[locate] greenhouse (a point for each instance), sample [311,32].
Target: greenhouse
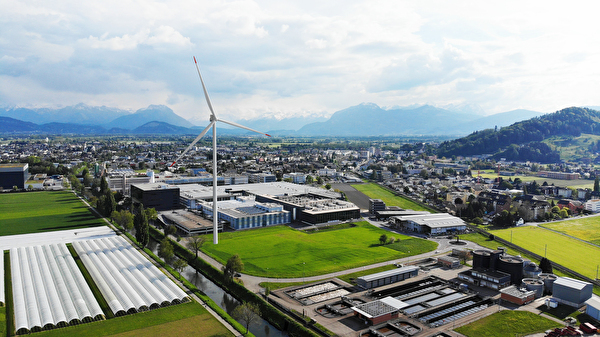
[127,280]
[49,290]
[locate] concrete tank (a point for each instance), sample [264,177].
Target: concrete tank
[548,280]
[481,259]
[513,266]
[531,270]
[534,285]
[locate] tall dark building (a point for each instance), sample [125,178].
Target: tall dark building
[15,174]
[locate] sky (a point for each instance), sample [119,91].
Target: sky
[286,58]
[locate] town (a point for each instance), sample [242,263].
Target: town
[469,222]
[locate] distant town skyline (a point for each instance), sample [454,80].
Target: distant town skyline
[264,58]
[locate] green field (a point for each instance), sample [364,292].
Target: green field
[375,191]
[280,251]
[491,174]
[571,253]
[189,319]
[587,228]
[33,212]
[507,323]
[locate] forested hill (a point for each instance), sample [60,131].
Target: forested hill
[523,140]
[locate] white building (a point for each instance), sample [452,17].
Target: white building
[592,205]
[431,224]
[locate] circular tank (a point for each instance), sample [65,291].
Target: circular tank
[548,280]
[531,270]
[534,285]
[513,266]
[481,259]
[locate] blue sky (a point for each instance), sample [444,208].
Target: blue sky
[295,58]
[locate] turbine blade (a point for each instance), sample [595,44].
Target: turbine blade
[204,88]
[243,127]
[194,142]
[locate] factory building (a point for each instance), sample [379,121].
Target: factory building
[376,205]
[188,223]
[246,213]
[571,292]
[387,277]
[486,278]
[13,175]
[431,224]
[312,209]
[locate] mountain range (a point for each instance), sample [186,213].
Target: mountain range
[363,120]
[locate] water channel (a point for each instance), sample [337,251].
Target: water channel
[261,328]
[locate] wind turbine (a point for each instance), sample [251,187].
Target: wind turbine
[213,124]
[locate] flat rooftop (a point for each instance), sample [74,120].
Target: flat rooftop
[279,188]
[438,220]
[188,220]
[380,307]
[388,273]
[516,292]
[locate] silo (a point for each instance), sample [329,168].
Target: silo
[548,280]
[513,266]
[534,285]
[531,270]
[481,259]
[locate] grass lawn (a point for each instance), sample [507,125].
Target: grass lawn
[507,323]
[587,228]
[581,183]
[3,320]
[375,191]
[188,319]
[280,251]
[33,212]
[571,253]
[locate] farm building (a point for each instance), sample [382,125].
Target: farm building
[49,290]
[593,307]
[127,280]
[516,295]
[432,224]
[571,291]
[379,311]
[387,277]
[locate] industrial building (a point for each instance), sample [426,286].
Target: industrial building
[313,209]
[159,196]
[486,278]
[376,205]
[379,311]
[449,262]
[245,213]
[387,277]
[571,292]
[431,224]
[120,180]
[188,223]
[13,175]
[494,269]
[517,295]
[593,307]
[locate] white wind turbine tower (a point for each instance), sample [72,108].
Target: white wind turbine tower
[213,124]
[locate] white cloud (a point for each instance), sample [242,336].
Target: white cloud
[163,35]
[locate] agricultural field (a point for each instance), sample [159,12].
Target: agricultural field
[586,228]
[375,191]
[508,323]
[34,212]
[581,183]
[280,251]
[571,253]
[189,319]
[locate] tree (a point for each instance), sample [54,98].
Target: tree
[195,243]
[383,239]
[109,204]
[171,230]
[546,265]
[233,266]
[140,223]
[165,250]
[309,179]
[319,180]
[247,313]
[103,185]
[123,218]
[597,184]
[328,186]
[391,240]
[151,214]
[563,213]
[179,265]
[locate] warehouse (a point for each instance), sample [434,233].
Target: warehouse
[128,281]
[49,290]
[571,292]
[387,277]
[431,224]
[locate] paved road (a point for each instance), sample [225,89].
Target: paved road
[358,198]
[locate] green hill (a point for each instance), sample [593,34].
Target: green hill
[530,139]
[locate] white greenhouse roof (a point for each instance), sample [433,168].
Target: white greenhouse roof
[49,289]
[46,238]
[126,279]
